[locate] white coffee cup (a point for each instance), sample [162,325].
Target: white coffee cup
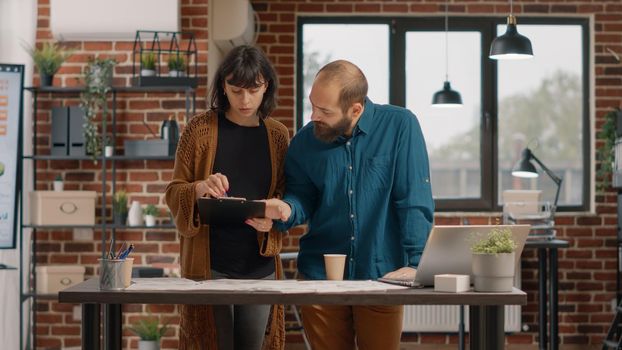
[335,264]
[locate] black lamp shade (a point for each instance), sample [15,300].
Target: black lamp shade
[524,167]
[511,45]
[447,97]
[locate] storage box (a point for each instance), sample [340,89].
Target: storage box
[54,278]
[62,207]
[521,201]
[153,147]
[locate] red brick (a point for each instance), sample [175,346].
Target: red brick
[310,7]
[48,343]
[339,8]
[66,330]
[399,8]
[142,104]
[97,46]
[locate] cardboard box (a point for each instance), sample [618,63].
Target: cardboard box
[62,207]
[54,278]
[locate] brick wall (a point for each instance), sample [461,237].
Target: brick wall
[144,181]
[587,268]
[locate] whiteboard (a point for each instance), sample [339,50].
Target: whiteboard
[11,83]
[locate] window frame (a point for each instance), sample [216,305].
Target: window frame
[489,126]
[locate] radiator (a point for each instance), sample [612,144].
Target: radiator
[445,318]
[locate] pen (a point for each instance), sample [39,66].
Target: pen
[126,252]
[121,249]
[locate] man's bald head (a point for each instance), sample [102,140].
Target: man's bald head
[349,78]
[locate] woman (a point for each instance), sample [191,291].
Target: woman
[234,150]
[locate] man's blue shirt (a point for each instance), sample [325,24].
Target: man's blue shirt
[368,196]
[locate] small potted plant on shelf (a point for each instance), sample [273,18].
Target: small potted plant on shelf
[148,62]
[150,333]
[48,58]
[58,183]
[109,147]
[119,207]
[494,261]
[151,212]
[176,66]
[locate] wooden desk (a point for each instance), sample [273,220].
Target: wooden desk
[486,309]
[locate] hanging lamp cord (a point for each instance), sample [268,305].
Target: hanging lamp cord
[447,42]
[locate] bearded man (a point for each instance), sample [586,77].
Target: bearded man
[358,175]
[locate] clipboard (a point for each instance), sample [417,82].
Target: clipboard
[229,211]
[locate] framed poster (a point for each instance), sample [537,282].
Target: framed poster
[11,101]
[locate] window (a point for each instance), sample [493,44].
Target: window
[452,135]
[349,42]
[541,103]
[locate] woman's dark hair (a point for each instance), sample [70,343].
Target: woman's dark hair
[247,67]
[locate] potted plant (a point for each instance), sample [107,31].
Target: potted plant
[58,183]
[48,58]
[148,63]
[493,261]
[109,147]
[176,66]
[151,212]
[97,80]
[150,332]
[119,207]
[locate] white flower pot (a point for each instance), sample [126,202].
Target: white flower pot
[150,220]
[148,345]
[135,215]
[58,186]
[493,272]
[109,151]
[147,72]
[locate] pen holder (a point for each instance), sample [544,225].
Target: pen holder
[115,274]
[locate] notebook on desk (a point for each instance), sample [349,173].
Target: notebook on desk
[448,251]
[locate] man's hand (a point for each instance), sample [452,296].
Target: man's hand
[276,209]
[405,273]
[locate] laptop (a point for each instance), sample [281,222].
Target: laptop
[448,251]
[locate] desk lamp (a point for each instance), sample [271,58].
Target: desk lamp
[524,168]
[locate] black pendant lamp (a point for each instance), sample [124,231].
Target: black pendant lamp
[446,97]
[511,45]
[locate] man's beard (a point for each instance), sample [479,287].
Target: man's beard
[329,134]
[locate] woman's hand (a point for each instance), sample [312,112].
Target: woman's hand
[404,273]
[216,185]
[260,224]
